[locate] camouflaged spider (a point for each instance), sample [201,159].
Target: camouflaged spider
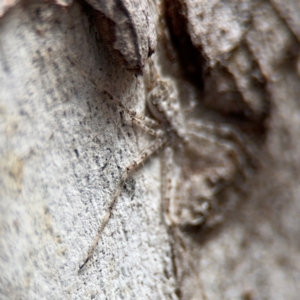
[199,158]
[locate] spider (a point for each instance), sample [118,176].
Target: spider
[209,157]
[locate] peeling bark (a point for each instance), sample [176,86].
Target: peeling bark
[64,144]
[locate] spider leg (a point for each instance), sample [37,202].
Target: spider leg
[169,183]
[134,115]
[225,134]
[154,132]
[157,144]
[229,139]
[148,121]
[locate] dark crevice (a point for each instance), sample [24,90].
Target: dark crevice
[191,60]
[230,105]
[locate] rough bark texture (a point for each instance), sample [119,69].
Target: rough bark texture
[63,149]
[64,145]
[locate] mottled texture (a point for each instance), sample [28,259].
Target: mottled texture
[63,147]
[250,64]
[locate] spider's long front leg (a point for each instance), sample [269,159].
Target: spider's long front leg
[157,144]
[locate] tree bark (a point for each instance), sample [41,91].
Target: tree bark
[64,146]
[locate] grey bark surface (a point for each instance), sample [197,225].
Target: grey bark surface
[64,145]
[63,149]
[256,254]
